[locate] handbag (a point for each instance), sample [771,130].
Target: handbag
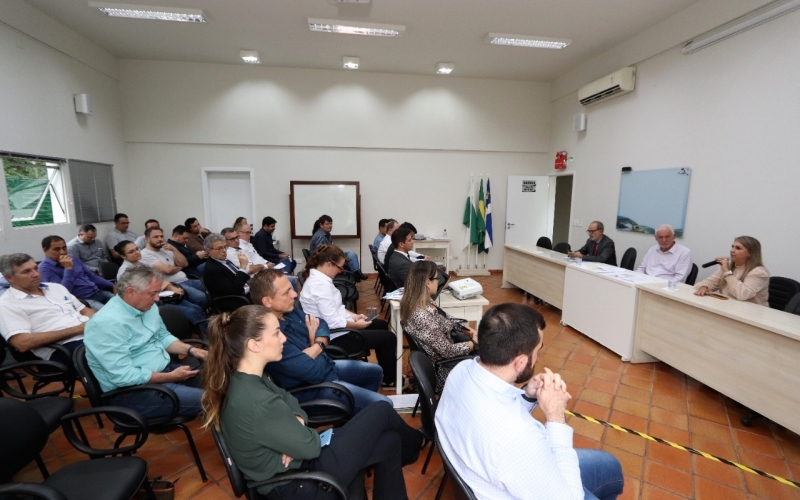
[163,490]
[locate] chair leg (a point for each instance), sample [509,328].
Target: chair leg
[416,407]
[99,420]
[441,486]
[194,452]
[428,459]
[42,467]
[148,489]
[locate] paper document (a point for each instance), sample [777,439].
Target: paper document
[396,295]
[279,266]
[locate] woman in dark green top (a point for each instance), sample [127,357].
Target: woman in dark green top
[264,425]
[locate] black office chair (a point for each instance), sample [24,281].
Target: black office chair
[323,412]
[793,307]
[42,374]
[177,324]
[628,259]
[224,303]
[108,271]
[692,276]
[241,486]
[374,252]
[562,248]
[98,398]
[426,384]
[449,471]
[388,284]
[544,242]
[306,254]
[781,290]
[23,435]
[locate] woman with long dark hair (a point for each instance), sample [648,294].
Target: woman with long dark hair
[743,277]
[265,428]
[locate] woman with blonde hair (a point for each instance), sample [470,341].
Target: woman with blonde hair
[743,277]
[430,326]
[265,428]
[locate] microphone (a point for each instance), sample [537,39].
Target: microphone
[709,264]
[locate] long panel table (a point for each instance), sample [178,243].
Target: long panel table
[748,352]
[532,269]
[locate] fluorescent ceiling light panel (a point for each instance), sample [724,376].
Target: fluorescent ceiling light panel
[745,22]
[355,28]
[444,68]
[538,42]
[249,56]
[148,12]
[350,62]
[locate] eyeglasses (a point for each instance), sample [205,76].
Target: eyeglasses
[232,239]
[217,249]
[245,232]
[340,268]
[591,231]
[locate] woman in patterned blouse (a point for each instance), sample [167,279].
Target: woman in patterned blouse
[428,325]
[743,277]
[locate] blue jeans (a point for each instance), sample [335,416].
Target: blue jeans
[601,474]
[362,379]
[290,265]
[352,261]
[154,405]
[98,299]
[195,293]
[194,314]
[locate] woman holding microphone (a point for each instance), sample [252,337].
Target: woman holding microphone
[743,277]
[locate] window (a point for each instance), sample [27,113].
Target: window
[92,191]
[35,190]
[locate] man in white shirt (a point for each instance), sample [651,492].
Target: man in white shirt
[668,259]
[245,232]
[170,262]
[232,241]
[34,315]
[386,242]
[487,431]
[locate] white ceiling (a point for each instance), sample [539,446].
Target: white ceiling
[436,30]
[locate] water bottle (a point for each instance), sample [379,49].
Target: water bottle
[444,233]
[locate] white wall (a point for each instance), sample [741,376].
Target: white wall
[37,82]
[412,141]
[728,111]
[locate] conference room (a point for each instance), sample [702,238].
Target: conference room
[173,123]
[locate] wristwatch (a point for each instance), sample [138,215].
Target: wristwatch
[321,344]
[728,273]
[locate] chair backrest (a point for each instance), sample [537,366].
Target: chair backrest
[23,434]
[781,290]
[562,247]
[628,259]
[692,276]
[108,270]
[413,345]
[451,472]
[388,284]
[793,307]
[238,482]
[544,242]
[374,252]
[306,254]
[426,384]
[90,383]
[177,324]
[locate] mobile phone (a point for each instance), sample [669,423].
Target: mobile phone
[325,437]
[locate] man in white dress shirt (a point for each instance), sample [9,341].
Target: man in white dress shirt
[668,259]
[386,242]
[487,431]
[253,257]
[254,264]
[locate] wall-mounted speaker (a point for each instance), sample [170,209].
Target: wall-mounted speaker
[579,122]
[82,104]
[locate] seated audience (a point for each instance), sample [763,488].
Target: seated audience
[59,267]
[170,262]
[132,255]
[119,233]
[34,314]
[304,360]
[598,248]
[240,220]
[86,248]
[381,233]
[320,298]
[195,243]
[221,276]
[262,242]
[127,344]
[254,257]
[486,428]
[743,277]
[389,248]
[240,399]
[196,260]
[140,241]
[668,259]
[322,236]
[233,251]
[431,327]
[386,242]
[399,261]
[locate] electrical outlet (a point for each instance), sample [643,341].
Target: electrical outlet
[577,222]
[454,257]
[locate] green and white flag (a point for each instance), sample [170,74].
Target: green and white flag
[470,219]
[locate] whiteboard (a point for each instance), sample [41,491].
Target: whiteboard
[309,200]
[650,198]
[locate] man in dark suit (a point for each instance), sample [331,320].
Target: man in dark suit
[399,261]
[221,276]
[598,248]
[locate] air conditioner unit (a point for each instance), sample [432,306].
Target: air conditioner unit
[617,83]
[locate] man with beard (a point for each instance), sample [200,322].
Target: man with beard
[486,429]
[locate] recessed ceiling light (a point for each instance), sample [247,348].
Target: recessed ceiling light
[539,42]
[444,68]
[249,56]
[148,12]
[333,26]
[350,62]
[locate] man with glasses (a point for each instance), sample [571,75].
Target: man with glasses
[233,252]
[221,275]
[255,257]
[598,248]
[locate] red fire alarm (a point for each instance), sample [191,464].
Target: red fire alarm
[561,160]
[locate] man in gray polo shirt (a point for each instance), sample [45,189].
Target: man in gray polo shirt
[119,233]
[170,262]
[87,249]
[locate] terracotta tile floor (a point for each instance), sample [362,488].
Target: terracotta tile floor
[652,398]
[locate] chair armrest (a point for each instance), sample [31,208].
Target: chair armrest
[336,352]
[326,385]
[453,361]
[70,421]
[169,393]
[201,342]
[59,372]
[322,477]
[32,489]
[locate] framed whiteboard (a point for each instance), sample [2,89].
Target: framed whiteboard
[308,200]
[650,198]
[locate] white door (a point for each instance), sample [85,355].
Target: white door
[526,209]
[228,195]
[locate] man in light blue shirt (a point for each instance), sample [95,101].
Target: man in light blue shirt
[487,431]
[381,233]
[128,345]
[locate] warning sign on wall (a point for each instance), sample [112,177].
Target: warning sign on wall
[528,186]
